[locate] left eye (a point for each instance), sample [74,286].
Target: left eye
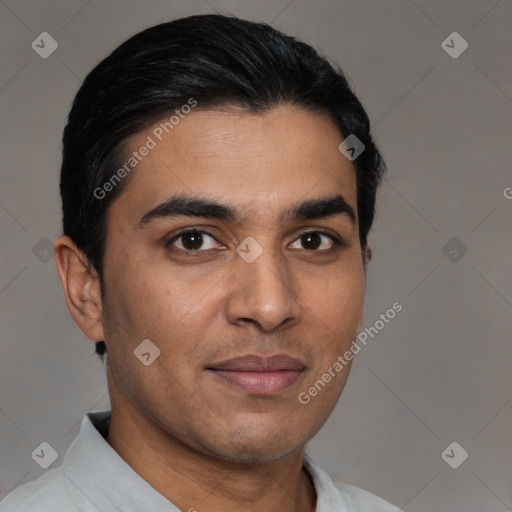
[312,240]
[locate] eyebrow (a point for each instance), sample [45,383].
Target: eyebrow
[189,206]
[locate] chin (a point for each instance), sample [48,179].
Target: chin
[245,446]
[251,456]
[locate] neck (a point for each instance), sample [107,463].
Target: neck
[193,480]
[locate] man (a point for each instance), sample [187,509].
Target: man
[218,185]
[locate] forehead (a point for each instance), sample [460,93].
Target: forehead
[261,162]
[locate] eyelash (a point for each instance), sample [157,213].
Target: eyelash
[338,242]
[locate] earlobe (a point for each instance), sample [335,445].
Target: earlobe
[81,287]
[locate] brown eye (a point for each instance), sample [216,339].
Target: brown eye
[312,240]
[192,240]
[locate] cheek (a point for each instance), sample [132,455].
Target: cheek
[340,299]
[151,307]
[336,312]
[173,313]
[142,296]
[336,318]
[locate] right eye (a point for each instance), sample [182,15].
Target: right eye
[191,240]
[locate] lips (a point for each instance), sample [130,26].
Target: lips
[259,375]
[254,363]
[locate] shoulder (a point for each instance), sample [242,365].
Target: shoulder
[50,492]
[359,499]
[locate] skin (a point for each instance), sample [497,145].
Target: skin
[201,442]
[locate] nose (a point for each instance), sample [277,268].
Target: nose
[263,292]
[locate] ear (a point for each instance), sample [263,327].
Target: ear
[367,256]
[81,287]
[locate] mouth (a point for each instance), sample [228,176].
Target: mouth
[257,375]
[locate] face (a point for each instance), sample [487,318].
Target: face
[257,277]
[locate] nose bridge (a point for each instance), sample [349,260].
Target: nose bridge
[264,289]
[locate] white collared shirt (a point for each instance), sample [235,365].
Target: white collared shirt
[94,478]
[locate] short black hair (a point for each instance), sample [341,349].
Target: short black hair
[218,61]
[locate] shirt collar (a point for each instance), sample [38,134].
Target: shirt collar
[101,476]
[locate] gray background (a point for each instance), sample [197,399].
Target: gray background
[438,372]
